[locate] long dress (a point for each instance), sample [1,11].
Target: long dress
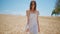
[33,26]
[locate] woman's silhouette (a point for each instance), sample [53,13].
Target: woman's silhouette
[32,19]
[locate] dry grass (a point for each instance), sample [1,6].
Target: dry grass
[12,24]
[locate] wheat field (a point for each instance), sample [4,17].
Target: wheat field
[12,24]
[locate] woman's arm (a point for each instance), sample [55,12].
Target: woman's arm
[38,27]
[27,14]
[38,22]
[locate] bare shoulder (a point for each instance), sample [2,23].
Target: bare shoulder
[37,11]
[27,11]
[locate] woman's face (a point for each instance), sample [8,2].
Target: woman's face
[33,5]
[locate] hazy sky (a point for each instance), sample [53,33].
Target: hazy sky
[19,7]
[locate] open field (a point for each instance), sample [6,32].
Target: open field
[12,24]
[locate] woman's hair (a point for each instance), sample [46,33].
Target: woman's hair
[34,4]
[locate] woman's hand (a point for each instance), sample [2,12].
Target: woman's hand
[38,29]
[27,27]
[27,30]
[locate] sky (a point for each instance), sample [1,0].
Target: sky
[19,7]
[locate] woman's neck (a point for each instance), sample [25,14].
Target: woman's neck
[32,11]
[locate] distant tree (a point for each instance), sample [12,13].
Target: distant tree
[56,11]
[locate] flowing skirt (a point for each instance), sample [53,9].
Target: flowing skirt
[33,29]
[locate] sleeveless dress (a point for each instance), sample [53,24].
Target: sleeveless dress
[33,26]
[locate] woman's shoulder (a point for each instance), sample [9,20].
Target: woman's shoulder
[37,11]
[27,11]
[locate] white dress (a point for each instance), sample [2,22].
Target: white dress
[33,26]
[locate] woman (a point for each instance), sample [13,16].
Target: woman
[32,19]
